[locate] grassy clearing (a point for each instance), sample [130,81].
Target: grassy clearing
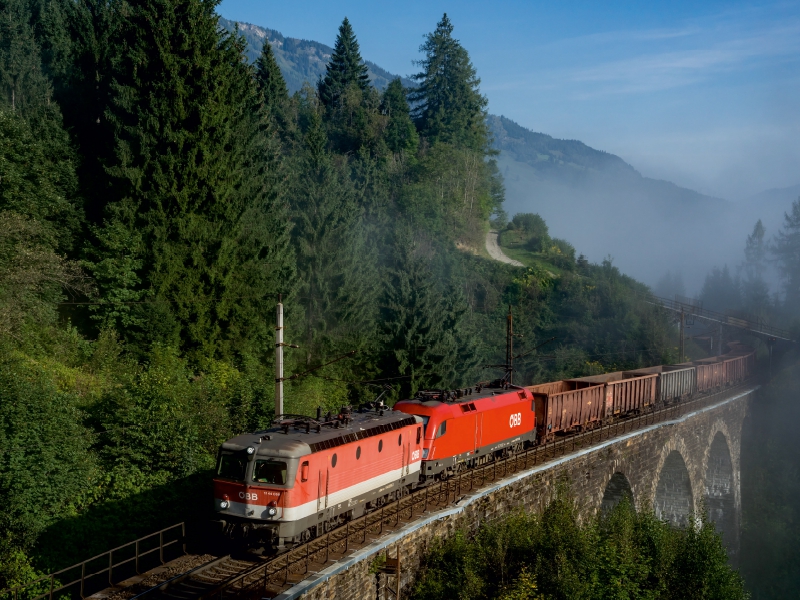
[513,245]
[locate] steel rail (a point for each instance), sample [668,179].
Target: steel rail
[273,576]
[209,575]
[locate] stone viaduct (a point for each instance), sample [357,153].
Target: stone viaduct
[676,467]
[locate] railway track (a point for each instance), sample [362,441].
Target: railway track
[204,579]
[247,575]
[276,574]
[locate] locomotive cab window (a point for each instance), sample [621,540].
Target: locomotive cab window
[442,429]
[304,471]
[425,424]
[419,434]
[232,466]
[270,471]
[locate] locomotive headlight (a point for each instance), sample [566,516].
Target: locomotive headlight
[272,509]
[424,453]
[223,504]
[250,450]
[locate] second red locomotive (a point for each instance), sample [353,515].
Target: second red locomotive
[466,428]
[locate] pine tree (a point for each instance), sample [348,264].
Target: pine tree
[721,291]
[79,46]
[755,291]
[335,263]
[423,325]
[344,69]
[189,186]
[24,87]
[449,106]
[787,251]
[37,162]
[269,78]
[400,135]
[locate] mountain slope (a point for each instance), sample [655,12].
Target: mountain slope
[300,61]
[603,206]
[591,198]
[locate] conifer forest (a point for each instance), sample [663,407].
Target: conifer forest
[159,193]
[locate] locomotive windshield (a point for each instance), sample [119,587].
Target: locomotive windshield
[270,471]
[424,423]
[231,466]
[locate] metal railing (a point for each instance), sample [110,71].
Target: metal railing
[84,576]
[270,578]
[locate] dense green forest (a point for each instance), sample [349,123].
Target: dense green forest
[159,191]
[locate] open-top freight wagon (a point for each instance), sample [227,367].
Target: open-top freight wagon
[564,406]
[674,382]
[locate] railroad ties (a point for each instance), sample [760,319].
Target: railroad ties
[250,576]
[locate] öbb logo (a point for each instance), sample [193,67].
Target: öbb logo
[515,420]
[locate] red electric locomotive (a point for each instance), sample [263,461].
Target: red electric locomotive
[306,476]
[468,427]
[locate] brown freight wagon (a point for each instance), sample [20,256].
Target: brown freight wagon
[563,406]
[709,374]
[624,395]
[675,382]
[737,366]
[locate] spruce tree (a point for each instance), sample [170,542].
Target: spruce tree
[755,291]
[423,324]
[269,78]
[37,162]
[400,135]
[448,104]
[196,228]
[787,251]
[335,261]
[344,69]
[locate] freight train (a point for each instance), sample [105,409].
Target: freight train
[305,476]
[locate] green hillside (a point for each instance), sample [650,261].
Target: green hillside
[550,155]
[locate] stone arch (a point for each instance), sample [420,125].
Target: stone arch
[617,488]
[720,497]
[674,500]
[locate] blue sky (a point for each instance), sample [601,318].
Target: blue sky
[703,94]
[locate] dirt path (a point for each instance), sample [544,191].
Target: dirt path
[496,253]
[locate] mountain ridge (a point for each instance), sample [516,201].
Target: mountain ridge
[592,198]
[301,61]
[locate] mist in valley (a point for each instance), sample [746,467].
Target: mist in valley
[649,227]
